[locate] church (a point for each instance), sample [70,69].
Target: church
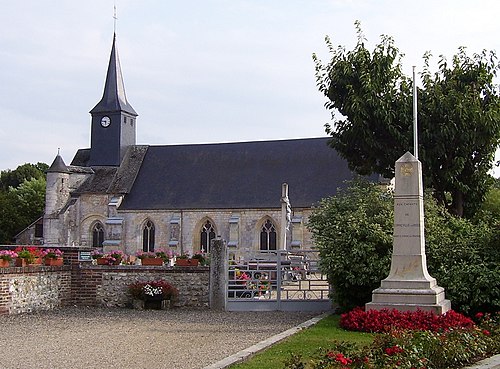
[121,195]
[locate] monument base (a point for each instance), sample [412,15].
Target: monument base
[407,296]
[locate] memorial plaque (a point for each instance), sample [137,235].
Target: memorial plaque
[84,256]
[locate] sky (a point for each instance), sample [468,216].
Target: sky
[200,71]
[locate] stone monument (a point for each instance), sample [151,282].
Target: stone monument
[409,286]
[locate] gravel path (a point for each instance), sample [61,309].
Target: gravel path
[73,338]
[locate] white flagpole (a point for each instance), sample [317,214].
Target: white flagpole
[415,132]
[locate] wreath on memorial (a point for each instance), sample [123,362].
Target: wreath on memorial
[152,290]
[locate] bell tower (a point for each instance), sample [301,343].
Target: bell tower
[113,126]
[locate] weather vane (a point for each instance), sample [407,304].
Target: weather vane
[114,17]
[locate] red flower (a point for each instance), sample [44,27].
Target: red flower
[393,350]
[342,359]
[486,332]
[385,320]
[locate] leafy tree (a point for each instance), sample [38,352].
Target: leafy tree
[459,117]
[29,200]
[13,178]
[460,128]
[22,198]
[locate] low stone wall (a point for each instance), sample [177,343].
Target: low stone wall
[38,288]
[30,289]
[107,285]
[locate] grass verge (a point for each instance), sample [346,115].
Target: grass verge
[305,343]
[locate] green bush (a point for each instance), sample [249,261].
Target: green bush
[353,232]
[463,255]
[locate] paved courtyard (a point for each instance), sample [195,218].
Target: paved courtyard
[124,338]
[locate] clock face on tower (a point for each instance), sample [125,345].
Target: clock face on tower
[105,122]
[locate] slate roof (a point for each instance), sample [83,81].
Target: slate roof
[236,175]
[98,182]
[112,180]
[58,166]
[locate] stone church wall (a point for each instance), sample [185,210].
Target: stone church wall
[177,230]
[180,231]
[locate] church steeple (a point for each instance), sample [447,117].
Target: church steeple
[113,118]
[114,98]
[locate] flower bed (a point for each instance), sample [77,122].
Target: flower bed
[448,341]
[386,320]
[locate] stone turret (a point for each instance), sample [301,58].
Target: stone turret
[56,196]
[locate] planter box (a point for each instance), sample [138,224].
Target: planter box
[53,262]
[4,263]
[187,262]
[20,262]
[152,261]
[151,304]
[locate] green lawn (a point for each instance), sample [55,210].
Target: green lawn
[305,343]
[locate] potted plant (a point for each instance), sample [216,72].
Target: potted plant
[201,257]
[116,256]
[52,257]
[149,258]
[27,256]
[185,260]
[152,294]
[166,255]
[98,256]
[6,257]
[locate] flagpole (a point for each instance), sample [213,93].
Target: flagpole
[415,132]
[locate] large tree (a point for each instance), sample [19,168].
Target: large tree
[22,198]
[459,117]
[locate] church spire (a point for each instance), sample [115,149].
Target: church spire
[114,98]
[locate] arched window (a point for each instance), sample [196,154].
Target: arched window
[268,236]
[148,237]
[97,235]
[207,235]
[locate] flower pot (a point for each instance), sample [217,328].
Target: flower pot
[102,261]
[37,262]
[152,261]
[21,262]
[186,262]
[53,262]
[4,263]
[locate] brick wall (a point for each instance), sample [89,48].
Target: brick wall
[30,289]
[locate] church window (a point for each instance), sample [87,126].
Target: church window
[207,235]
[97,235]
[148,237]
[268,236]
